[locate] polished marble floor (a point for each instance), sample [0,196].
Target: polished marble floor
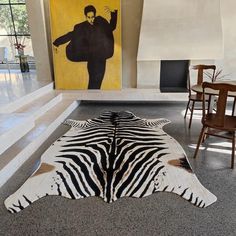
[16,85]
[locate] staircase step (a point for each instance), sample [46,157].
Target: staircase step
[15,105]
[12,159]
[12,127]
[41,105]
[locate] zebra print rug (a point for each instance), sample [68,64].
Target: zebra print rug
[112,156]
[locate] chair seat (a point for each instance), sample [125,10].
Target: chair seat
[211,121]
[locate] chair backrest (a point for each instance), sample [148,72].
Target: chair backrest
[222,90]
[2,54]
[200,69]
[200,72]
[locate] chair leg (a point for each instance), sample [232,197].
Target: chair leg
[233,151]
[206,135]
[191,116]
[233,110]
[199,141]
[186,109]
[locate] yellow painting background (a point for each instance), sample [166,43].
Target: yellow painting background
[74,75]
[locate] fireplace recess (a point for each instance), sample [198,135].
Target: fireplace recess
[174,76]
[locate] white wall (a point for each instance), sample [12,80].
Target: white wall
[180,29]
[228,63]
[39,39]
[131,22]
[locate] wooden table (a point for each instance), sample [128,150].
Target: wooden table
[199,89]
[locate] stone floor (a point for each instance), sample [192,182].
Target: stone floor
[16,85]
[158,214]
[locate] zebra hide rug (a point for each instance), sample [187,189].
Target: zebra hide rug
[115,155]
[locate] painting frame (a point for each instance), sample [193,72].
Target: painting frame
[96,64]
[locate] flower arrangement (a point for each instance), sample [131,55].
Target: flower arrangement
[20,48]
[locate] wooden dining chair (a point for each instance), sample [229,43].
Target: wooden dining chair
[197,97]
[216,123]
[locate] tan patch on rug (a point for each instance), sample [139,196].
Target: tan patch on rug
[182,163]
[44,168]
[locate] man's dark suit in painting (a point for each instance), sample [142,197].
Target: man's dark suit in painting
[91,43]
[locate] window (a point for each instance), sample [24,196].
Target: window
[14,29]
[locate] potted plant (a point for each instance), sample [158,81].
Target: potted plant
[217,75]
[24,66]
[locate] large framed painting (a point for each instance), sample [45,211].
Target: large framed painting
[86,38]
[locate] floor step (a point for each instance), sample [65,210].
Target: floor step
[41,105]
[12,127]
[22,101]
[12,159]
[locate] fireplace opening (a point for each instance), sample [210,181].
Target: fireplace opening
[173,76]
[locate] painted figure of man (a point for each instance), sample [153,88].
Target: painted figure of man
[91,41]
